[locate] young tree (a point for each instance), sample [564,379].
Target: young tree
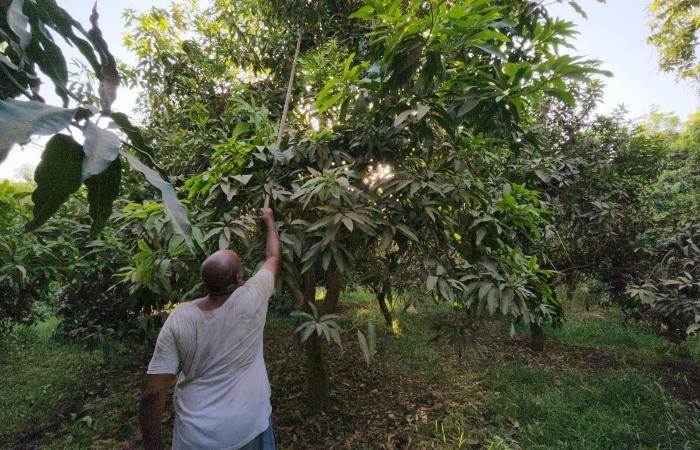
[406,124]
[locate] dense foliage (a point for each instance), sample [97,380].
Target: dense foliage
[674,32]
[32,266]
[28,45]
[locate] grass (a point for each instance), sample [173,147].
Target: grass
[39,377]
[498,396]
[607,329]
[58,395]
[548,408]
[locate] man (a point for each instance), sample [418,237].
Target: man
[215,347]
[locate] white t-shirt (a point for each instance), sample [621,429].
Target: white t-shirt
[222,396]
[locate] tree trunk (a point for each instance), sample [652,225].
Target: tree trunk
[309,287]
[536,337]
[381,299]
[317,377]
[317,382]
[298,297]
[571,288]
[334,284]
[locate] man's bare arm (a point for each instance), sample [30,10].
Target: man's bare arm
[155,393]
[272,247]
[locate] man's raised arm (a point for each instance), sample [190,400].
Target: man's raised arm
[272,247]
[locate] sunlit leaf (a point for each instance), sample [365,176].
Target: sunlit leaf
[176,210]
[19,120]
[19,23]
[101,147]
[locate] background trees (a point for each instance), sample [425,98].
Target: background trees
[674,28]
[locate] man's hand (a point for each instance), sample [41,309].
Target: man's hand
[267,216]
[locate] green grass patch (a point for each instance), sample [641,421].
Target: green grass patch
[551,408]
[276,321]
[58,395]
[606,328]
[359,296]
[39,378]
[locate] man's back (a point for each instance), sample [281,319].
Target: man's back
[222,397]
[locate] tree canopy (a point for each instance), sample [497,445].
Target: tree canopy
[674,25]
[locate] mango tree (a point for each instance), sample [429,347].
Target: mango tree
[406,142]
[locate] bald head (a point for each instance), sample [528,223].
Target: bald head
[221,272]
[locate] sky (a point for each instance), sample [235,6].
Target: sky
[614,33]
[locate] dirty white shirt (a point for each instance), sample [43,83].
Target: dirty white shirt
[222,396]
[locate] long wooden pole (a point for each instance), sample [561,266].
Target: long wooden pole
[285,110]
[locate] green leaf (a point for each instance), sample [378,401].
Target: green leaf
[320,223]
[8,62]
[103,189]
[484,288]
[403,65]
[364,347]
[57,176]
[493,300]
[430,282]
[371,338]
[402,117]
[175,242]
[101,147]
[329,317]
[363,13]
[307,332]
[405,229]
[132,132]
[20,120]
[578,9]
[108,76]
[542,175]
[421,111]
[335,335]
[49,57]
[348,223]
[387,239]
[240,128]
[490,49]
[564,96]
[302,314]
[176,210]
[19,23]
[243,179]
[507,300]
[480,234]
[57,18]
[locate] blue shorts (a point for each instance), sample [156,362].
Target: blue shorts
[264,441]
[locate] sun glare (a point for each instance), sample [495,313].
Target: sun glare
[376,175]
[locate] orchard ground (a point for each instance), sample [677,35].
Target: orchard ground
[601,383]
